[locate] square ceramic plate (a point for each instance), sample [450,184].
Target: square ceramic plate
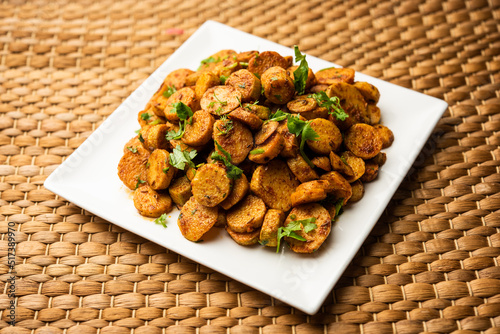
[88,178]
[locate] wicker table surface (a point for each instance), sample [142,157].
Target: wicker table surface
[429,265]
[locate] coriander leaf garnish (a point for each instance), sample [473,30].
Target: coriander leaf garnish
[145,116]
[331,103]
[301,73]
[279,115]
[169,91]
[223,79]
[140,137]
[226,126]
[303,129]
[184,113]
[132,149]
[180,158]
[162,220]
[339,207]
[139,181]
[208,61]
[307,225]
[233,172]
[257,151]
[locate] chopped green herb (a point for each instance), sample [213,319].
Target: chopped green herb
[303,129]
[243,64]
[250,105]
[208,61]
[184,113]
[169,91]
[339,207]
[222,103]
[139,181]
[233,172]
[162,220]
[193,212]
[278,96]
[274,79]
[243,86]
[223,79]
[227,125]
[279,115]
[263,242]
[145,116]
[179,158]
[156,121]
[132,149]
[165,170]
[257,151]
[301,73]
[331,103]
[307,225]
[140,138]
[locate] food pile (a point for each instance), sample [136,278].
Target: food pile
[269,150]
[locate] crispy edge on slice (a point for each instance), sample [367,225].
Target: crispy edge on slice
[244,238]
[338,186]
[274,183]
[211,185]
[199,131]
[308,192]
[363,140]
[356,163]
[273,220]
[132,166]
[159,172]
[151,203]
[241,186]
[195,219]
[316,237]
[301,169]
[247,215]
[268,150]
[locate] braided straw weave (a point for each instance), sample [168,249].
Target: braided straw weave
[430,264]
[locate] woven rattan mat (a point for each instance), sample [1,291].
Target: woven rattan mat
[429,265]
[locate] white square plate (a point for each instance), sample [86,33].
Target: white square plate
[88,178]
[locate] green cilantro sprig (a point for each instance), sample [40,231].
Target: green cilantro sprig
[303,129]
[307,225]
[233,172]
[184,113]
[226,126]
[179,158]
[169,91]
[162,220]
[278,116]
[331,103]
[208,61]
[301,73]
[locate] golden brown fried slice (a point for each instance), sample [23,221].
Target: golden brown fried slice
[239,191]
[159,172]
[291,143]
[332,75]
[246,117]
[132,165]
[277,85]
[220,100]
[337,186]
[265,132]
[351,101]
[385,135]
[234,137]
[261,111]
[363,140]
[273,220]
[205,81]
[180,190]
[358,191]
[210,185]
[244,238]
[308,192]
[301,169]
[247,215]
[268,150]
[369,91]
[185,95]
[322,162]
[373,114]
[153,136]
[329,136]
[148,116]
[371,172]
[177,78]
[340,166]
[246,83]
[151,203]
[356,163]
[274,183]
[259,63]
[314,238]
[302,104]
[199,131]
[195,219]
